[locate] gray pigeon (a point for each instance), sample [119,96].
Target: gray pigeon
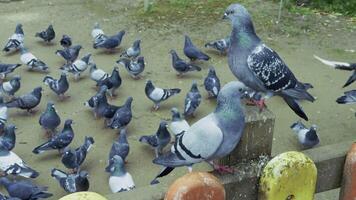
[181,66]
[306,136]
[9,88]
[221,45]
[110,42]
[49,119]
[25,190]
[72,182]
[98,34]
[349,97]
[192,100]
[47,35]
[32,62]
[134,51]
[27,101]
[120,180]
[97,74]
[178,124]
[16,40]
[113,82]
[8,138]
[69,54]
[342,66]
[133,67]
[6,69]
[66,41]
[157,95]
[258,66]
[120,147]
[212,83]
[159,140]
[58,86]
[59,141]
[192,52]
[210,138]
[78,67]
[122,116]
[74,159]
[11,163]
[3,114]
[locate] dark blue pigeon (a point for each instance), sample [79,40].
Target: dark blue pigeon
[133,67]
[47,35]
[66,41]
[58,142]
[180,65]
[192,100]
[6,69]
[212,83]
[111,42]
[192,52]
[70,54]
[159,140]
[58,86]
[349,97]
[8,138]
[120,147]
[72,182]
[24,189]
[27,101]
[49,119]
[122,116]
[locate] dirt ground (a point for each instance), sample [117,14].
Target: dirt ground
[326,36]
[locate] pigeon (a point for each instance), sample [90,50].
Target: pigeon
[306,136]
[212,83]
[258,66]
[111,42]
[210,138]
[66,41]
[133,67]
[134,51]
[9,88]
[72,159]
[8,138]
[120,180]
[32,62]
[78,67]
[342,66]
[178,125]
[180,65]
[72,182]
[47,35]
[192,52]
[59,141]
[98,34]
[97,74]
[192,100]
[16,40]
[113,82]
[3,114]
[25,189]
[221,45]
[27,101]
[93,102]
[10,163]
[159,140]
[122,116]
[69,54]
[157,95]
[120,147]
[348,98]
[6,69]
[49,119]
[59,86]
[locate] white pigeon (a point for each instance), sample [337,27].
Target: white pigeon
[120,180]
[10,163]
[178,124]
[32,62]
[98,34]
[16,40]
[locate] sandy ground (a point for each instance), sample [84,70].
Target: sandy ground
[76,18]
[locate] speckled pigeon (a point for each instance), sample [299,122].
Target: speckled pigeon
[58,86]
[71,182]
[192,100]
[134,51]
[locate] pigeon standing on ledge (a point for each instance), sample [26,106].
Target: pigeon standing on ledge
[258,66]
[342,66]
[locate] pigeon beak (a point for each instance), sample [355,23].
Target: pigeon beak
[225,16]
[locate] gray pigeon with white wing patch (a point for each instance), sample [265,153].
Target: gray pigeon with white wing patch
[258,66]
[71,183]
[16,40]
[210,138]
[9,88]
[157,95]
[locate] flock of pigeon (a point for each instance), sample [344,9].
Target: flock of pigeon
[259,69]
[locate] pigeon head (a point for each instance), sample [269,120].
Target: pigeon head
[123,61]
[16,77]
[86,58]
[37,90]
[235,11]
[116,166]
[11,127]
[96,25]
[120,34]
[149,84]
[175,114]
[230,95]
[163,124]
[83,174]
[19,29]
[172,51]
[128,101]
[68,122]
[141,60]
[187,41]
[194,87]
[50,105]
[136,44]
[50,27]
[212,71]
[314,127]
[68,153]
